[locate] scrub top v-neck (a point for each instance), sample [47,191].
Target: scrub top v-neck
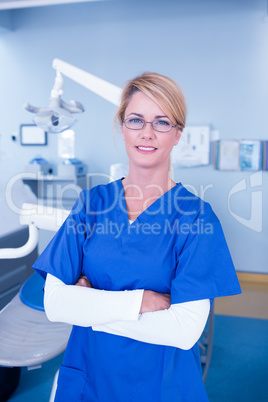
[175,246]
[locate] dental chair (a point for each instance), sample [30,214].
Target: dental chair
[27,337]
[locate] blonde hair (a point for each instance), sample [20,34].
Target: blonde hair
[162,90]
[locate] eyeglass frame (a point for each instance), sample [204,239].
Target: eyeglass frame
[151,122]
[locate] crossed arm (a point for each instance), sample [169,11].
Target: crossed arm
[142,315]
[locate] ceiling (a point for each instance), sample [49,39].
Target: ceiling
[12,4]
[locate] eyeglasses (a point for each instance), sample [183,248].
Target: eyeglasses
[163,126]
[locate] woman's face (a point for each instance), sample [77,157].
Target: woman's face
[148,147]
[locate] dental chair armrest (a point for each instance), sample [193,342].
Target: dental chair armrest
[36,217]
[29,246]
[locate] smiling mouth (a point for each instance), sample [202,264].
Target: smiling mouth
[147,148]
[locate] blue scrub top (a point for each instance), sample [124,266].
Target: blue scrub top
[175,246]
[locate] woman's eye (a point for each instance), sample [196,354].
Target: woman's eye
[135,121]
[163,123]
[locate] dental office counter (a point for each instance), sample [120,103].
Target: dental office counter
[56,187]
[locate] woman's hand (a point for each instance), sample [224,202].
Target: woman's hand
[153,301]
[83,281]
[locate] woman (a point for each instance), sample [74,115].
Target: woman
[148,257]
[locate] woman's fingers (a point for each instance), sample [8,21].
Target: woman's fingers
[83,281]
[153,301]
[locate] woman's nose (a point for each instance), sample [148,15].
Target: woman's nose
[147,131]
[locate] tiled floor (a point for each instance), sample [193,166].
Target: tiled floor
[253,302]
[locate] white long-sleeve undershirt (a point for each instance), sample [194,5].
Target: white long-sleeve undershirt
[83,306]
[180,326]
[118,313]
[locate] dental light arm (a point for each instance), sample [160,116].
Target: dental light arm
[36,217]
[107,91]
[58,116]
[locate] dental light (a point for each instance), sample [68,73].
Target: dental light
[58,116]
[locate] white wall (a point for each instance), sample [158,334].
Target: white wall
[216,51]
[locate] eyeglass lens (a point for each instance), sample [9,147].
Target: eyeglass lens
[158,125]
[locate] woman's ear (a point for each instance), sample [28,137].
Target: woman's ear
[177,135]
